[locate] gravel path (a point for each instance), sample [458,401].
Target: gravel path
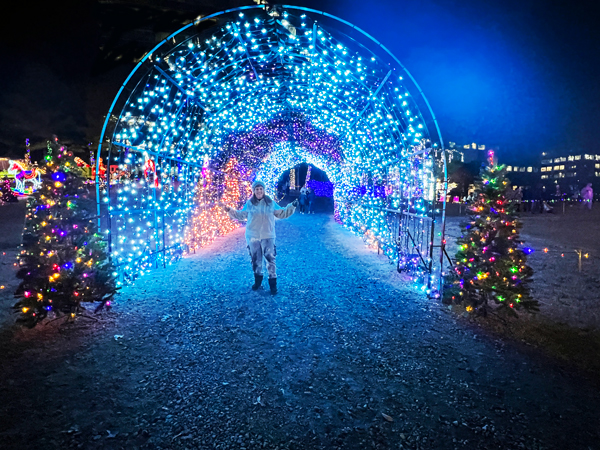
[346,356]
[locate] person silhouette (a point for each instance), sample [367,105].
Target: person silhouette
[587,194]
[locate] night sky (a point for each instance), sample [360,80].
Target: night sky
[519,75]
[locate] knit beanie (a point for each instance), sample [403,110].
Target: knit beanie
[258,183]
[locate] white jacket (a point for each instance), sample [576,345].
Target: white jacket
[261,218]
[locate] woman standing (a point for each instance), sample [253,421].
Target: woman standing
[260,211]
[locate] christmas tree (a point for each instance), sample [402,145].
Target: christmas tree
[63,260]
[491,272]
[6,193]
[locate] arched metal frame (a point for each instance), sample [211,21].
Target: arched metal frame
[187,101]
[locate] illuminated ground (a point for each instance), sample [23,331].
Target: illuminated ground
[203,362]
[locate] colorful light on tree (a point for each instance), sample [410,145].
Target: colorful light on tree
[63,260]
[491,271]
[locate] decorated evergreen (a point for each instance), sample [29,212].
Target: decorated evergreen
[63,260]
[491,272]
[6,193]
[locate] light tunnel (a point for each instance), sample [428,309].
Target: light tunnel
[246,94]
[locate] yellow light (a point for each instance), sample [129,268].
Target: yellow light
[469,308]
[44,224]
[57,184]
[25,309]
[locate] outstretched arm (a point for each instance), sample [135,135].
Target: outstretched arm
[236,214]
[284,213]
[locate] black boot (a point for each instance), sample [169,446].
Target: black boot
[273,285]
[257,282]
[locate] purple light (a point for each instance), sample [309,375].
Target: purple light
[321,188]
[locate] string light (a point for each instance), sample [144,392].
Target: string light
[251,99]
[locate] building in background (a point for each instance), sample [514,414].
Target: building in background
[470,153]
[558,174]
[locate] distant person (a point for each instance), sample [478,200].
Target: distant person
[260,211]
[303,200]
[311,199]
[519,198]
[587,195]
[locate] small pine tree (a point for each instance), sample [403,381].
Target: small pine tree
[63,260]
[491,271]
[6,193]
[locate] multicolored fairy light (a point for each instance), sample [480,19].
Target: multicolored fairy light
[260,92]
[62,261]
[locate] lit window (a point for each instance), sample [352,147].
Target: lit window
[544,177]
[571,158]
[597,166]
[530,169]
[573,166]
[562,167]
[588,156]
[556,167]
[577,158]
[549,168]
[509,168]
[543,169]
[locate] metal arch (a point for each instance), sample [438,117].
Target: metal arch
[255,7]
[251,7]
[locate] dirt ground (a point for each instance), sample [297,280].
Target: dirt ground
[566,294]
[346,356]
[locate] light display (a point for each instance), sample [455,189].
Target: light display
[253,95]
[293,179]
[321,188]
[307,176]
[24,176]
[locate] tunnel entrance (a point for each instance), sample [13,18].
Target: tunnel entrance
[302,175]
[251,93]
